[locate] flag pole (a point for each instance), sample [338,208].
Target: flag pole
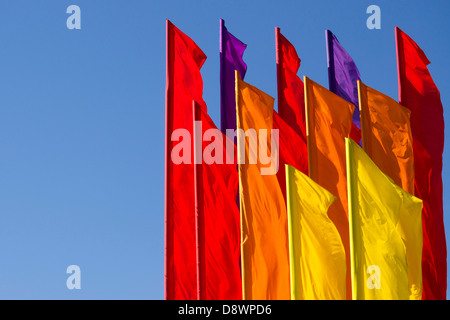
[330,61]
[401,98]
[168,245]
[239,141]
[289,208]
[351,217]
[198,193]
[278,62]
[222,77]
[362,113]
[307,123]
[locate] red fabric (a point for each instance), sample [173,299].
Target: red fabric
[355,133]
[418,92]
[220,275]
[291,99]
[290,119]
[292,150]
[184,84]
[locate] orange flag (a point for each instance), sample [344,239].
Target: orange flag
[264,235]
[386,134]
[387,139]
[328,123]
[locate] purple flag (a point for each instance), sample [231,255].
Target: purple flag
[342,74]
[231,51]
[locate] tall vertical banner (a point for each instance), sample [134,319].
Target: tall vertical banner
[293,150]
[387,140]
[385,223]
[291,100]
[418,92]
[231,59]
[316,254]
[217,214]
[290,119]
[342,78]
[326,152]
[264,238]
[386,135]
[183,85]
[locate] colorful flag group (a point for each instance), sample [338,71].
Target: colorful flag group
[288,205]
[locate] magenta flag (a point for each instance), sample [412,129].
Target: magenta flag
[231,52]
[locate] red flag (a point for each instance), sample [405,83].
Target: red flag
[290,119]
[418,92]
[293,150]
[183,85]
[291,99]
[218,220]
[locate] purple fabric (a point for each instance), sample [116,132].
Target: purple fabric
[231,51]
[342,74]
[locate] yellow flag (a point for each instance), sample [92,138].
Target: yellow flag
[328,123]
[384,220]
[264,238]
[317,256]
[386,135]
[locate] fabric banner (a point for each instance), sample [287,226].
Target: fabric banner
[291,99]
[183,85]
[218,225]
[386,135]
[293,150]
[385,233]
[231,58]
[328,122]
[342,77]
[264,244]
[418,92]
[317,256]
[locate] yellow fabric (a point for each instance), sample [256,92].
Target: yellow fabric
[410,229]
[317,256]
[385,222]
[386,134]
[264,238]
[328,122]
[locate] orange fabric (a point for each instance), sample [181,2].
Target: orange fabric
[329,122]
[387,136]
[264,244]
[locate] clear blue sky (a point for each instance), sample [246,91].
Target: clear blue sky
[82,121]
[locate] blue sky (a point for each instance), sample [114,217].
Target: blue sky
[82,121]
